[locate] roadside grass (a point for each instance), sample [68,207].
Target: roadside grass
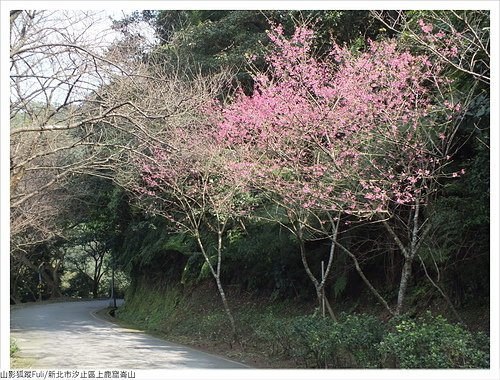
[13,347]
[17,361]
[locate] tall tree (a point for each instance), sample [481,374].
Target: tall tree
[193,187]
[354,134]
[65,121]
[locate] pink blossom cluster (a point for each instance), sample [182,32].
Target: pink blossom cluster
[193,178]
[445,43]
[347,132]
[352,132]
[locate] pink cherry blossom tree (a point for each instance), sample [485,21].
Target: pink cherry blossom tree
[190,184]
[358,135]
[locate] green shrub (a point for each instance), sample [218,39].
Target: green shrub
[433,342]
[320,342]
[358,335]
[276,334]
[311,340]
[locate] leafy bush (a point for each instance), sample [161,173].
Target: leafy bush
[358,335]
[311,340]
[265,259]
[275,333]
[320,342]
[433,342]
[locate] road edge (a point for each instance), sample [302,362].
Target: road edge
[116,323]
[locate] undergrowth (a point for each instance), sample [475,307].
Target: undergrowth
[282,334]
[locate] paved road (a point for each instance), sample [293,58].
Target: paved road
[69,335]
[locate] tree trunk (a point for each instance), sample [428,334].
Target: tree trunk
[403,285]
[95,288]
[46,278]
[409,251]
[227,309]
[220,288]
[97,274]
[391,267]
[55,291]
[318,286]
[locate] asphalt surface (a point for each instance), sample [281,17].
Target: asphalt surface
[70,335]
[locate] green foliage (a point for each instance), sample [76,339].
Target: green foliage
[13,347]
[169,310]
[192,269]
[279,330]
[323,343]
[210,326]
[265,258]
[179,242]
[461,214]
[77,284]
[145,240]
[362,341]
[148,246]
[149,307]
[205,271]
[433,342]
[211,39]
[340,285]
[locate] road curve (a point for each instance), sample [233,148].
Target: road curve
[69,335]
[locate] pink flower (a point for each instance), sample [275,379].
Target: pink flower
[369,196]
[426,28]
